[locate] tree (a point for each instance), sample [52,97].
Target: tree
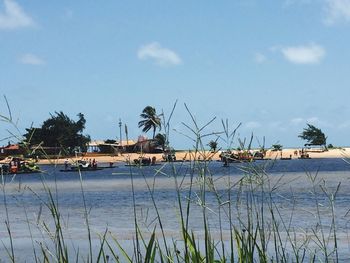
[313,136]
[277,147]
[213,145]
[150,120]
[161,140]
[59,131]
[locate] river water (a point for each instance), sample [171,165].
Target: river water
[108,198]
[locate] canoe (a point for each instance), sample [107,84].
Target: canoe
[82,169]
[137,164]
[23,172]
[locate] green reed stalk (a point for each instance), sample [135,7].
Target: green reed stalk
[10,252]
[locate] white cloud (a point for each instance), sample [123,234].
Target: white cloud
[14,17]
[260,58]
[337,11]
[31,59]
[162,56]
[307,54]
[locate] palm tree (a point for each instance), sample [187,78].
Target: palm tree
[213,145]
[150,120]
[161,140]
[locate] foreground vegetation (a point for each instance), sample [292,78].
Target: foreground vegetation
[252,226]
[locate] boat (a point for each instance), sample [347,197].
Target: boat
[77,169]
[240,157]
[304,156]
[285,158]
[19,166]
[143,161]
[82,165]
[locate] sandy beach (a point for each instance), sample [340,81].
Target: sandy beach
[207,155]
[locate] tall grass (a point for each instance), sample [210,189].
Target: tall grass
[242,219]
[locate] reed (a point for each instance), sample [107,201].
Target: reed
[249,224]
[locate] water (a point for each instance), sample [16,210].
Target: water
[109,200]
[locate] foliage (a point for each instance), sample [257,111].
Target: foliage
[150,120]
[251,222]
[161,140]
[213,145]
[111,141]
[59,131]
[277,147]
[313,135]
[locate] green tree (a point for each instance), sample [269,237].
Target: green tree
[277,147]
[213,145]
[59,131]
[150,120]
[161,140]
[313,136]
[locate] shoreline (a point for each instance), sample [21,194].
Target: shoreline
[190,156]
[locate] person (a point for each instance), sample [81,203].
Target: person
[154,160]
[13,166]
[110,164]
[66,164]
[225,161]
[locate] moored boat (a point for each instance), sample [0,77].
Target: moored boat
[19,166]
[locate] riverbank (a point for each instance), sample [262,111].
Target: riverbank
[207,155]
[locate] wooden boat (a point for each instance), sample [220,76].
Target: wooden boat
[108,167]
[19,166]
[6,172]
[142,164]
[82,165]
[304,156]
[143,161]
[76,169]
[308,157]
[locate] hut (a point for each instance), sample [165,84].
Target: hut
[11,150]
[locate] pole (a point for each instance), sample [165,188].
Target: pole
[120,132]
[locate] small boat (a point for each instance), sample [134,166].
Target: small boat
[137,165]
[77,169]
[82,165]
[143,161]
[228,157]
[108,167]
[19,166]
[304,156]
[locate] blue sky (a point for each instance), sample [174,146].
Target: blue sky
[272,65]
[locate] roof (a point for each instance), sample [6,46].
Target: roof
[125,143]
[96,143]
[11,147]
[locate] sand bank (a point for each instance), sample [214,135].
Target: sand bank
[190,155]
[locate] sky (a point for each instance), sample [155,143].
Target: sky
[271,65]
